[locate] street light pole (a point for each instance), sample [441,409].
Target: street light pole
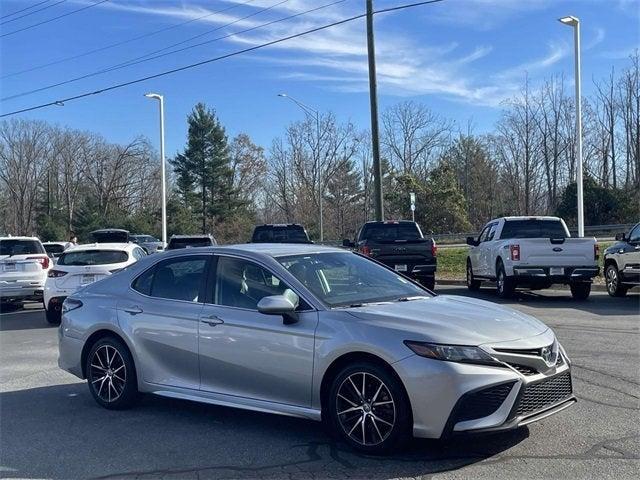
[160,99]
[575,23]
[375,134]
[308,110]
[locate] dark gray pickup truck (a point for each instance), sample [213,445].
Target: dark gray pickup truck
[399,245]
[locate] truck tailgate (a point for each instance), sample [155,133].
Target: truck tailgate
[545,252]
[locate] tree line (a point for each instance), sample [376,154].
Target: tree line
[55,180]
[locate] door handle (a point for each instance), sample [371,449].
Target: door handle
[212,320]
[134,310]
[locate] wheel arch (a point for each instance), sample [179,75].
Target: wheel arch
[95,337]
[352,357]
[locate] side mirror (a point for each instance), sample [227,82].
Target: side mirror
[472,241]
[348,243]
[284,305]
[621,237]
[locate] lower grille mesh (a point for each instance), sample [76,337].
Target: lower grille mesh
[483,402]
[543,394]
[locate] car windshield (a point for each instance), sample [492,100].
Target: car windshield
[20,247]
[347,279]
[92,257]
[189,242]
[280,235]
[533,228]
[392,232]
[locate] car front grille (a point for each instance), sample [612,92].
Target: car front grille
[540,395]
[523,369]
[482,402]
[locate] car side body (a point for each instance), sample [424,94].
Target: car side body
[191,347]
[622,263]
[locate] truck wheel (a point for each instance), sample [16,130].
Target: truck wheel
[472,283]
[614,285]
[505,286]
[580,291]
[429,283]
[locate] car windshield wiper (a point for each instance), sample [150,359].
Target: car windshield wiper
[408,299]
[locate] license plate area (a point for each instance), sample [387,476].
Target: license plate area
[10,267]
[86,279]
[556,271]
[401,267]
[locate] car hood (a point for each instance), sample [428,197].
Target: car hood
[452,319]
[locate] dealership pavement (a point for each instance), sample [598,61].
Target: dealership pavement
[50,427]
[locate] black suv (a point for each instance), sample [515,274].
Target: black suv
[190,241]
[280,233]
[399,245]
[622,263]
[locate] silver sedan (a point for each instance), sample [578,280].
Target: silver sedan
[312,332]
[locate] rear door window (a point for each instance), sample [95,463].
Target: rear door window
[175,279]
[533,228]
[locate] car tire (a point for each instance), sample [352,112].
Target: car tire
[53,316]
[505,286]
[387,417]
[472,283]
[429,284]
[615,288]
[580,291]
[111,374]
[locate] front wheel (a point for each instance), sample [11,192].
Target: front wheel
[580,291]
[368,408]
[111,374]
[614,285]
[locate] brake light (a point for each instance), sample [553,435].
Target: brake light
[56,273]
[365,250]
[596,251]
[434,249]
[43,261]
[515,252]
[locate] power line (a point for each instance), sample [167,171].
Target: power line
[33,12]
[100,2]
[143,58]
[212,60]
[124,42]
[24,9]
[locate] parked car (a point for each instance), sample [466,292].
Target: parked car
[401,246]
[533,252]
[110,235]
[280,233]
[24,264]
[54,249]
[318,333]
[622,263]
[82,265]
[148,243]
[190,241]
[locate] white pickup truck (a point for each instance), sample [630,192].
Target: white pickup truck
[534,252]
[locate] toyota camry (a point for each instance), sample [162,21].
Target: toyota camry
[313,332]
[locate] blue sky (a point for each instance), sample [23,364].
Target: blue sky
[462,58]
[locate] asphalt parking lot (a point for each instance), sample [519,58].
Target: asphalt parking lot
[50,427]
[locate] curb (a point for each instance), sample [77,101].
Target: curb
[463,283]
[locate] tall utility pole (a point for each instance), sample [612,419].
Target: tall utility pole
[160,99]
[575,23]
[375,133]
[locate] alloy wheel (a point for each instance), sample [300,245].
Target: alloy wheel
[500,282]
[469,275]
[366,409]
[612,280]
[108,373]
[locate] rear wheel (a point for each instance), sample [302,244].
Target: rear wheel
[472,283]
[53,315]
[505,286]
[615,288]
[580,291]
[368,408]
[111,374]
[429,283]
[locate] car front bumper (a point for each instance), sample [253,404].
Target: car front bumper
[453,398]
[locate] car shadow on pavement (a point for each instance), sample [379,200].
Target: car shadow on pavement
[20,318]
[59,432]
[597,304]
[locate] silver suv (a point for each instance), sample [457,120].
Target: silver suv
[622,263]
[317,333]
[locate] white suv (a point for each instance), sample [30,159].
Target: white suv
[82,265]
[23,269]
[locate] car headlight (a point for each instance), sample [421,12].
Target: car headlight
[452,353]
[70,304]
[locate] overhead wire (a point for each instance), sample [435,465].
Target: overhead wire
[49,20]
[127,41]
[116,86]
[6,15]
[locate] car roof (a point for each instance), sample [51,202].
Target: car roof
[110,230]
[280,225]
[195,235]
[530,217]
[125,247]
[268,249]
[389,222]
[20,238]
[54,243]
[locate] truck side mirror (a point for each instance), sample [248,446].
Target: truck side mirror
[621,237]
[472,241]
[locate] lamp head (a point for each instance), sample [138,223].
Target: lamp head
[569,20]
[153,95]
[284,95]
